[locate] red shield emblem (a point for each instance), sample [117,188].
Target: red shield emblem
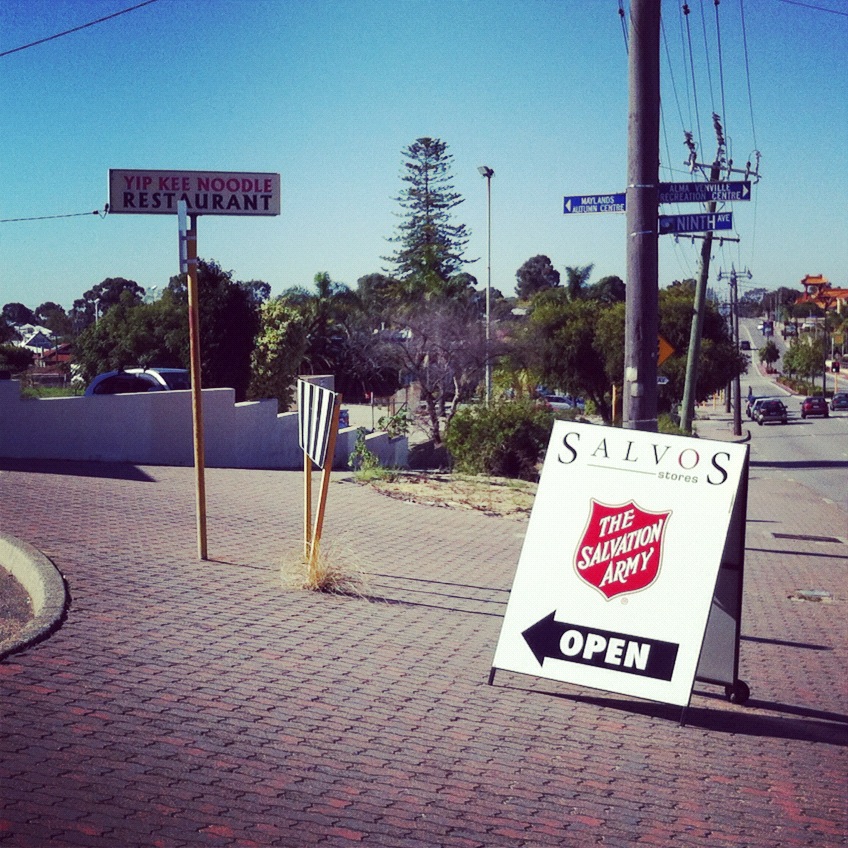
[621,548]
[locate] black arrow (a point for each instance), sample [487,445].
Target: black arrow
[543,638]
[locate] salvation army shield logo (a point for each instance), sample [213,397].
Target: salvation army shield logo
[621,548]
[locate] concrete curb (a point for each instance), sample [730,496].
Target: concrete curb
[45,586]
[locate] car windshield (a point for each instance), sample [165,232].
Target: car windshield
[176,379]
[121,384]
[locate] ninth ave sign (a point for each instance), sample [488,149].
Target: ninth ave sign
[204,192]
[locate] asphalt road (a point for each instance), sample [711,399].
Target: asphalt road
[811,451]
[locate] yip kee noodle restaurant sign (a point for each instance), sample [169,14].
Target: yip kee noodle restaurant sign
[620,563]
[204,192]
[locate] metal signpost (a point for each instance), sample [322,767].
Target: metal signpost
[695,223]
[588,203]
[729,192]
[635,587]
[704,192]
[189,194]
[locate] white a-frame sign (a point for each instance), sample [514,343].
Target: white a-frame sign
[634,543]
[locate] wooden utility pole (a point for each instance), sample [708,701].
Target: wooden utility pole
[735,388]
[639,402]
[697,329]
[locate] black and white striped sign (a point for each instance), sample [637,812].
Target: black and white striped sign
[315,406]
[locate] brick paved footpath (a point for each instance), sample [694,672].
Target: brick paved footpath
[188,703]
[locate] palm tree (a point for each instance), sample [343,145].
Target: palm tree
[576,278]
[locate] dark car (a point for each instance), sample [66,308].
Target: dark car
[814,406]
[744,345]
[770,410]
[839,401]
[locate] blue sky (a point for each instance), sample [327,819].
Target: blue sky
[329,94]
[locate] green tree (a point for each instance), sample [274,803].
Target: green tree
[279,351]
[132,333]
[229,322]
[431,245]
[769,354]
[14,358]
[99,299]
[578,346]
[560,345]
[720,361]
[17,313]
[54,318]
[607,290]
[535,275]
[7,332]
[805,357]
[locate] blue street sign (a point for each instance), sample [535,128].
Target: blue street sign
[695,223]
[582,203]
[704,192]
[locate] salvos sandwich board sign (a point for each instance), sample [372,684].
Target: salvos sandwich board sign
[619,567]
[135,192]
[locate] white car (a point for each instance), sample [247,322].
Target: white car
[139,380]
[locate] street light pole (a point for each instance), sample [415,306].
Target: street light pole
[488,173]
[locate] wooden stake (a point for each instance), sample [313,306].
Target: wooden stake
[307,506]
[196,388]
[325,485]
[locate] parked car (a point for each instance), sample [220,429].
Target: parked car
[814,406]
[770,410]
[564,402]
[749,405]
[744,345]
[757,402]
[839,401]
[139,380]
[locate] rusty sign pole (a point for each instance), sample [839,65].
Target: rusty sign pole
[188,266]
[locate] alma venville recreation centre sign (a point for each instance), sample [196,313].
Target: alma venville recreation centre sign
[204,192]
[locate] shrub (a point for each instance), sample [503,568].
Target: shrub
[361,458]
[507,439]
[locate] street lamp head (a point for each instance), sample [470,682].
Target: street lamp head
[486,171]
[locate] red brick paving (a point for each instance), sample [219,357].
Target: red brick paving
[187,703]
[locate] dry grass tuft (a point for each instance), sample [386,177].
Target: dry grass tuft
[335,572]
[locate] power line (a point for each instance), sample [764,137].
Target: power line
[720,63]
[75,29]
[748,72]
[51,217]
[692,69]
[621,15]
[707,57]
[815,8]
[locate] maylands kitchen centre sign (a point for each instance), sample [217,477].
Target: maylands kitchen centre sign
[204,192]
[619,566]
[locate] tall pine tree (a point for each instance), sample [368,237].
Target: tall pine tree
[430,252]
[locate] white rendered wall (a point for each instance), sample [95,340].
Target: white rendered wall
[154,428]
